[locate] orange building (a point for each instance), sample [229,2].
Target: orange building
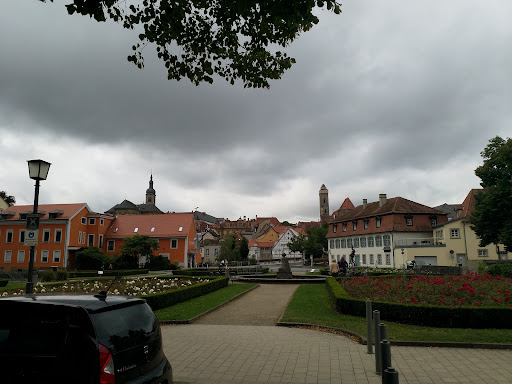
[175,233]
[63,230]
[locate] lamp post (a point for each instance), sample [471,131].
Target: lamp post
[38,170]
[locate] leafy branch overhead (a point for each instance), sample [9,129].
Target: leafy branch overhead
[195,39]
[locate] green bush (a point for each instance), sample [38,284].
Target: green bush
[426,315]
[4,282]
[48,275]
[500,270]
[159,263]
[61,275]
[482,269]
[166,299]
[89,258]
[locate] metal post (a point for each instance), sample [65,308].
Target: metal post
[376,322]
[383,335]
[385,353]
[369,339]
[29,288]
[390,376]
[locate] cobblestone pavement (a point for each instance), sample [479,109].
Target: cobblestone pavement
[269,354]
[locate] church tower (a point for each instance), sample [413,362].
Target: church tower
[150,192]
[323,193]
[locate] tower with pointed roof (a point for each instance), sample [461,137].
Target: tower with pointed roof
[150,192]
[323,194]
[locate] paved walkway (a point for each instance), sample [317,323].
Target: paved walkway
[220,350]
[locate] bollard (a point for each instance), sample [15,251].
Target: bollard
[385,355]
[369,340]
[390,376]
[376,322]
[383,334]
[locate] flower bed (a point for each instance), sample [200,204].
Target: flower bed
[420,313]
[466,290]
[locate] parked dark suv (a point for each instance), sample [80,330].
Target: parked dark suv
[89,339]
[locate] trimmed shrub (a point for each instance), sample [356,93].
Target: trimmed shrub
[500,270]
[166,299]
[89,258]
[426,315]
[159,263]
[48,275]
[61,275]
[4,282]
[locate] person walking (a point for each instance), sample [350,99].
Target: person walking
[334,268]
[343,266]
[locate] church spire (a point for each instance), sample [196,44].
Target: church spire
[150,192]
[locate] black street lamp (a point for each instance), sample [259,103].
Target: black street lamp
[38,170]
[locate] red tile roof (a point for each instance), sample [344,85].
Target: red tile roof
[165,225]
[260,244]
[347,204]
[69,210]
[468,205]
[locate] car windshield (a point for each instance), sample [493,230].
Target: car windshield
[125,327]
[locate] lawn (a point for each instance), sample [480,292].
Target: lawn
[311,304]
[194,307]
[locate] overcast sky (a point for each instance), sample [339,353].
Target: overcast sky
[389,97]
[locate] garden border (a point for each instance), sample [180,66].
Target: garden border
[425,315]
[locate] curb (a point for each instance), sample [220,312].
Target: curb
[398,343]
[190,321]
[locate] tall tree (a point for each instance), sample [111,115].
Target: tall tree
[10,200]
[491,218]
[195,39]
[139,245]
[244,248]
[314,244]
[233,248]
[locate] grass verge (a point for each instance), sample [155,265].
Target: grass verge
[311,304]
[194,307]
[13,285]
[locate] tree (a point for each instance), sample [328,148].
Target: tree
[234,249]
[10,200]
[138,245]
[491,219]
[244,248]
[234,39]
[89,259]
[313,244]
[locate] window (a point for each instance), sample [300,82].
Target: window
[337,243]
[370,241]
[44,256]
[365,224]
[8,236]
[378,241]
[454,233]
[363,242]
[371,259]
[344,227]
[334,228]
[102,222]
[79,237]
[354,225]
[84,220]
[58,235]
[356,242]
[56,256]
[216,251]
[7,256]
[90,241]
[92,221]
[433,221]
[46,236]
[21,256]
[482,253]
[110,245]
[207,252]
[343,243]
[379,259]
[387,240]
[100,244]
[22,235]
[388,259]
[350,243]
[364,259]
[136,229]
[331,244]
[174,243]
[408,221]
[377,222]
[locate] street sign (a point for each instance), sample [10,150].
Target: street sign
[33,221]
[31,237]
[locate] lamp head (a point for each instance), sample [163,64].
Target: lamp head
[38,169]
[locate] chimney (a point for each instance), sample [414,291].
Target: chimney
[382,199]
[365,203]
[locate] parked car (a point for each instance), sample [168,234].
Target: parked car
[89,339]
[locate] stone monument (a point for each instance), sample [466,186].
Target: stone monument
[284,272]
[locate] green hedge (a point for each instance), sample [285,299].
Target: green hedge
[500,270]
[3,282]
[166,299]
[426,315]
[108,272]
